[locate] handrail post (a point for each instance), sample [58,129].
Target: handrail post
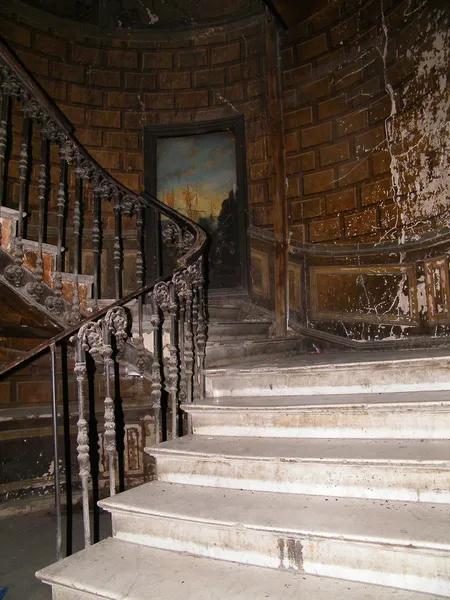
[56,454]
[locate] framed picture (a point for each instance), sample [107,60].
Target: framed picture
[199,170]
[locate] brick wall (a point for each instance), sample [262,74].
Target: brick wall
[111,86]
[344,71]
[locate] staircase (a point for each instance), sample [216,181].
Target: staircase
[313,475]
[320,475]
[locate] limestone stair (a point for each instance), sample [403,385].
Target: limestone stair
[291,492]
[238,331]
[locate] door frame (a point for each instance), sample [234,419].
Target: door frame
[237,126]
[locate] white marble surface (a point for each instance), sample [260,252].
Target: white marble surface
[117,570]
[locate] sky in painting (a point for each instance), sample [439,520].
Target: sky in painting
[203,164]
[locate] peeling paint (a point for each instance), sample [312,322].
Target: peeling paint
[418,137]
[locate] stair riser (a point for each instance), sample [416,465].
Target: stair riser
[334,422]
[418,569]
[338,380]
[224,354]
[61,593]
[384,481]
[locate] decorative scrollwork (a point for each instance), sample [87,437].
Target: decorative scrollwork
[50,130]
[129,206]
[91,338]
[161,294]
[10,84]
[107,189]
[67,150]
[143,362]
[54,305]
[170,234]
[14,274]
[35,289]
[117,322]
[85,169]
[187,241]
[182,283]
[32,109]
[196,272]
[73,317]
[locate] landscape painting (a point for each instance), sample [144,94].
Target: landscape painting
[196,176]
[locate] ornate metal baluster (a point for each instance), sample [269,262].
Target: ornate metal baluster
[14,272]
[3,141]
[83,437]
[196,390]
[96,238]
[115,323]
[173,379]
[156,366]
[74,316]
[196,272]
[201,329]
[36,288]
[117,246]
[55,304]
[189,340]
[164,295]
[139,263]
[180,284]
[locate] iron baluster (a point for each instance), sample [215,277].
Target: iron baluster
[117,253]
[110,422]
[56,454]
[36,288]
[74,316]
[14,273]
[82,436]
[155,322]
[173,370]
[189,340]
[96,238]
[3,142]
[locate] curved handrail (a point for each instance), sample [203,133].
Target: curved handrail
[50,111]
[74,328]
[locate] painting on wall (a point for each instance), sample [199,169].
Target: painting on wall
[197,176]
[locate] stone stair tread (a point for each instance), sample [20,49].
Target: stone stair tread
[422,525]
[247,342]
[348,451]
[115,570]
[335,360]
[292,403]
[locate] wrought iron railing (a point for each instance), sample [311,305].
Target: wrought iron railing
[73,197]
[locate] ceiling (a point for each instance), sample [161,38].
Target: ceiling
[154,14]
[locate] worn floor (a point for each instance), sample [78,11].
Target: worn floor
[27,543]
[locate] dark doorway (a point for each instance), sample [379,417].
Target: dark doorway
[199,170]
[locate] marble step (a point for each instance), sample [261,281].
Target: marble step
[224,313]
[239,330]
[399,544]
[117,570]
[226,352]
[363,372]
[404,470]
[401,415]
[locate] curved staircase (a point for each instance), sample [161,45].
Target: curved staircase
[300,475]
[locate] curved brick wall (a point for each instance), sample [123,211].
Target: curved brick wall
[366,100]
[111,84]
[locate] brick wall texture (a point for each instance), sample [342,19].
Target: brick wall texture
[338,70]
[110,89]
[336,67]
